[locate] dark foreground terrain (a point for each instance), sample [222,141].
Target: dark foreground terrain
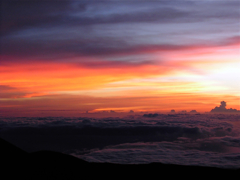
[17,163]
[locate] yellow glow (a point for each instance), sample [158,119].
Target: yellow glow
[197,78]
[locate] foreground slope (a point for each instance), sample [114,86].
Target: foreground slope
[55,165]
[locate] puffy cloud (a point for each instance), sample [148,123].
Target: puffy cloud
[150,115]
[222,109]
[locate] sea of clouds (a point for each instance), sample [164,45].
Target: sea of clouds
[190,139]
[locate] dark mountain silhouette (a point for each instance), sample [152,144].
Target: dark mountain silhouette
[54,165]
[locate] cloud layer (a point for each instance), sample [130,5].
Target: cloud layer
[186,137]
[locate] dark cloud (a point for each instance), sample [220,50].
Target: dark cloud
[23,14]
[157,15]
[222,109]
[59,136]
[151,115]
[85,134]
[19,15]
[31,21]
[6,88]
[56,30]
[10,92]
[52,49]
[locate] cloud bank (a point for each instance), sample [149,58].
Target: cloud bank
[187,137]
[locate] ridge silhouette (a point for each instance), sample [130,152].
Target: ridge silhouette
[55,165]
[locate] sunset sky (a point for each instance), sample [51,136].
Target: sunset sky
[69,57]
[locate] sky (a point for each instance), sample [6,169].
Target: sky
[71,57]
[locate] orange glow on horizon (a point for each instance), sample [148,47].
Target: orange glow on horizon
[187,80]
[60,77]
